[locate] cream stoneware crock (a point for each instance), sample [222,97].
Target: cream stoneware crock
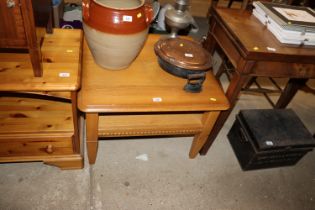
[116,30]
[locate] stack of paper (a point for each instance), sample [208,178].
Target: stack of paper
[289,24]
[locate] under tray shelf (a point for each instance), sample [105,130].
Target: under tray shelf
[150,124]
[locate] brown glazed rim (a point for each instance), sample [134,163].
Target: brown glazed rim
[130,8]
[101,18]
[174,59]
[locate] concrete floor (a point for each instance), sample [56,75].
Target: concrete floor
[168,179]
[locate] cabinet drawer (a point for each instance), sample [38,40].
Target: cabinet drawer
[36,146]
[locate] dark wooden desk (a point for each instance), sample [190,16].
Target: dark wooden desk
[254,51]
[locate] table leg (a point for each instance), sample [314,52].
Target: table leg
[289,92]
[75,116]
[236,84]
[35,56]
[92,136]
[208,120]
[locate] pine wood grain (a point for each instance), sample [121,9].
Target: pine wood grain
[74,161]
[38,115]
[135,88]
[56,145]
[66,163]
[144,100]
[36,129]
[208,121]
[61,52]
[34,116]
[92,136]
[52,94]
[149,124]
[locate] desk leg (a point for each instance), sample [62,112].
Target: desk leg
[92,136]
[236,84]
[289,92]
[208,120]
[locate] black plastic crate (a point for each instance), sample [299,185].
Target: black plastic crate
[266,138]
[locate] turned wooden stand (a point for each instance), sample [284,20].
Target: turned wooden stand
[144,100]
[39,116]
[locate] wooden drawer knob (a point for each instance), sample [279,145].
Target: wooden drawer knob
[50,149]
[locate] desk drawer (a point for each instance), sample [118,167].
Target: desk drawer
[35,146]
[229,48]
[283,69]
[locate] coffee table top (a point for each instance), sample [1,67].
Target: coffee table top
[143,87]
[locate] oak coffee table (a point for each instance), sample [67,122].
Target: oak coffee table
[144,100]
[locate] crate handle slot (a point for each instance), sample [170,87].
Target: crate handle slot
[243,135]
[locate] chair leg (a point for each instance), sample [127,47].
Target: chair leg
[250,83]
[230,3]
[308,89]
[220,71]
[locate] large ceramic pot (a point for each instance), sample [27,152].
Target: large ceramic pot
[116,30]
